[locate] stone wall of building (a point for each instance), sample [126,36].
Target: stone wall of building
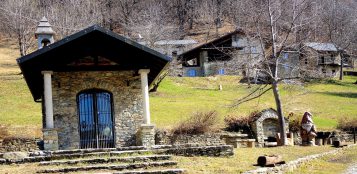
[19,144]
[208,139]
[127,104]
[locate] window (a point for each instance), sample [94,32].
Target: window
[221,71]
[96,122]
[322,60]
[254,50]
[333,72]
[191,73]
[285,55]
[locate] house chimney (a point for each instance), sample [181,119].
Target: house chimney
[44,33]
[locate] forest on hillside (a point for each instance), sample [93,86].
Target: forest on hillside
[288,21]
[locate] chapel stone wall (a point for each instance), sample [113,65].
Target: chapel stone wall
[127,104]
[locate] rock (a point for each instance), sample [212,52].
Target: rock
[15,155]
[38,153]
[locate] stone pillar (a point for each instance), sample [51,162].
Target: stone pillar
[145,93]
[50,139]
[50,135]
[146,135]
[47,85]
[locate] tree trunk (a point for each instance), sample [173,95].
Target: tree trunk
[21,45]
[248,77]
[341,68]
[284,139]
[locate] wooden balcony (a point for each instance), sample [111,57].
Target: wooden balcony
[329,61]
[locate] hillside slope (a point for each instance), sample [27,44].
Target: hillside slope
[178,98]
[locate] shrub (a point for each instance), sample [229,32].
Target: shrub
[294,123]
[347,124]
[3,132]
[236,123]
[199,123]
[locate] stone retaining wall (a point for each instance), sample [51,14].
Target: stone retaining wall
[208,139]
[19,144]
[222,150]
[292,165]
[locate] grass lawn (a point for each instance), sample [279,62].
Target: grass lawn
[243,159]
[337,163]
[178,98]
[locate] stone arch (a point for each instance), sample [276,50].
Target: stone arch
[45,42]
[258,124]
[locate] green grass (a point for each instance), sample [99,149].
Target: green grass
[337,163]
[179,98]
[244,159]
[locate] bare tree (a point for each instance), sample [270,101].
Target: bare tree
[17,19]
[275,22]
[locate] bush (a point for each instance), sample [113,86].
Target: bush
[198,123]
[236,124]
[294,123]
[3,132]
[347,124]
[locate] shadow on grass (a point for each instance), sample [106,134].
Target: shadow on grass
[328,81]
[341,94]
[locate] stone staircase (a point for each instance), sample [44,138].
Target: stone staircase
[130,160]
[123,160]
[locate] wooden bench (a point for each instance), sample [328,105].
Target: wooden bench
[250,142]
[231,139]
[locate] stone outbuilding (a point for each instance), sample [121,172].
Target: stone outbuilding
[94,88]
[265,126]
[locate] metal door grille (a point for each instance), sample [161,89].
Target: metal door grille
[95,119]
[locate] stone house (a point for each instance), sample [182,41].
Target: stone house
[169,47]
[320,59]
[221,56]
[93,86]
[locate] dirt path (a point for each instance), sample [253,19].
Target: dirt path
[352,169]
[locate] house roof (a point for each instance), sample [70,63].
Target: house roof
[212,43]
[93,41]
[176,42]
[321,46]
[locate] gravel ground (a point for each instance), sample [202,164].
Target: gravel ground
[352,169]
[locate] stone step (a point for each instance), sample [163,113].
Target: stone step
[163,171]
[118,167]
[76,151]
[78,155]
[132,159]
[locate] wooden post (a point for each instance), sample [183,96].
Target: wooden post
[354,135]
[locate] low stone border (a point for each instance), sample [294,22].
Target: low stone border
[222,150]
[292,165]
